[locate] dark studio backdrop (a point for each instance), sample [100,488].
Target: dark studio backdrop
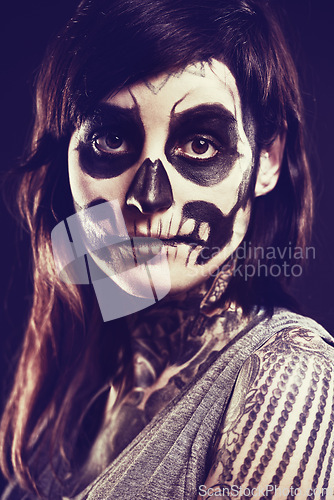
[26,28]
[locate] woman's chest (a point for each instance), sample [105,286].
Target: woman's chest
[161,372]
[124,420]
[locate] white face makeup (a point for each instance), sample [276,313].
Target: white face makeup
[174,153]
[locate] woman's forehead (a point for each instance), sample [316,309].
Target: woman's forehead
[174,92]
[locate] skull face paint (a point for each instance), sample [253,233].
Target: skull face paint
[173,151]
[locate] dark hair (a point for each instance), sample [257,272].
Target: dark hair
[107,45]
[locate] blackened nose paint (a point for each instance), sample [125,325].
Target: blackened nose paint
[150,190]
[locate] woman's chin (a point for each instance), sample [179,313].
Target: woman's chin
[150,280]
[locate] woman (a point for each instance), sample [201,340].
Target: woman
[186,119]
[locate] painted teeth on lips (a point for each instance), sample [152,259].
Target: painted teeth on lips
[125,255]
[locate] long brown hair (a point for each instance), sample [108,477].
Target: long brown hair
[107,45]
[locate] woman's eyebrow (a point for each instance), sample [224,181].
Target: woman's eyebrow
[205,114]
[106,112]
[210,110]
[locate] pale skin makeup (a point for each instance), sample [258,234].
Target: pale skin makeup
[174,153]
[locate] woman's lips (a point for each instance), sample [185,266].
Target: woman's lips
[182,240]
[139,266]
[128,254]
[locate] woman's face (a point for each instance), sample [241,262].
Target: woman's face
[173,152]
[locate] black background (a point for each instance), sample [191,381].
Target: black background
[26,28]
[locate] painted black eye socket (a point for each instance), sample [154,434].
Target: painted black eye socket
[109,151]
[111,141]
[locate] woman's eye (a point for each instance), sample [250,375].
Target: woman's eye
[198,147]
[110,143]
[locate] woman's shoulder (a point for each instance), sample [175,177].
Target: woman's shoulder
[294,336]
[294,333]
[276,435]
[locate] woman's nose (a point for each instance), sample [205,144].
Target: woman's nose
[150,190]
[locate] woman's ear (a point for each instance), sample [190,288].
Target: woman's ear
[270,165]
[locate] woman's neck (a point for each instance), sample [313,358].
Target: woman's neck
[180,332]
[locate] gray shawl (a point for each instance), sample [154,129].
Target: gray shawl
[169,458]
